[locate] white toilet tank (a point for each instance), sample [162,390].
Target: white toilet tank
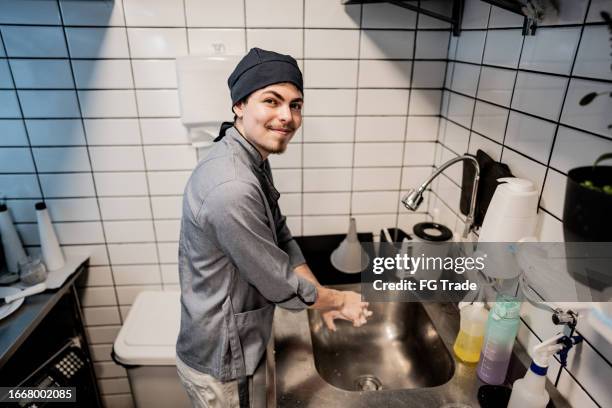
[145,346]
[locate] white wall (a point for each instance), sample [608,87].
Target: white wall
[89,122]
[516,98]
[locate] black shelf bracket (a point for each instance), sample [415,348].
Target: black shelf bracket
[530,24]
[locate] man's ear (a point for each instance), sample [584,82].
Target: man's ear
[238,109]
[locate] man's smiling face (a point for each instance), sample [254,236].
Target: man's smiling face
[270,117]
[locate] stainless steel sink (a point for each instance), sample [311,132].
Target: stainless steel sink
[401,357]
[399,348]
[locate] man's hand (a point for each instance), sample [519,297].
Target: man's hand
[329,317]
[335,304]
[353,310]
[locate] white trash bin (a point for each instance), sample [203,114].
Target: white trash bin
[145,346]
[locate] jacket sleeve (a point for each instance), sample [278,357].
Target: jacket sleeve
[236,212]
[286,241]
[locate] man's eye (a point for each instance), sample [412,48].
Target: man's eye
[296,106]
[271,101]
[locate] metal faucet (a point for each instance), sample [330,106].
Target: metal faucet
[413,198]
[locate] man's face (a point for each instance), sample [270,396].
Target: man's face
[270,117]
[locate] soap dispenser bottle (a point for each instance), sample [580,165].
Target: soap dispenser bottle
[502,327]
[471,331]
[530,391]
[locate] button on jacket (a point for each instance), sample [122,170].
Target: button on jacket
[236,261]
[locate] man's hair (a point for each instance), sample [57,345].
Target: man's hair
[243,101]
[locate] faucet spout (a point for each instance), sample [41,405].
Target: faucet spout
[413,197]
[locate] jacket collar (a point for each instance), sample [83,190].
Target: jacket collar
[251,152]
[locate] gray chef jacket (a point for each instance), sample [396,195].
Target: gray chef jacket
[236,261]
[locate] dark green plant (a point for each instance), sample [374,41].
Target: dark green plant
[590,97]
[607,188]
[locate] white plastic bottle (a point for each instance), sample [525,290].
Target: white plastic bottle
[51,252]
[471,331]
[530,391]
[13,249]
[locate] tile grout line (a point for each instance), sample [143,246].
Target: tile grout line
[142,149]
[407,116]
[562,107]
[23,121]
[356,107]
[91,167]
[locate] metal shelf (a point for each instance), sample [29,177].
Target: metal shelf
[454,19]
[514,6]
[529,24]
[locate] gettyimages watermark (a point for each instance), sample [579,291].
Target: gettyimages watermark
[450,272]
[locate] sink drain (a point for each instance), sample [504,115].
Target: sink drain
[368,382]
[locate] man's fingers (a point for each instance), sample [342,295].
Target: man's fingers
[329,322]
[367,313]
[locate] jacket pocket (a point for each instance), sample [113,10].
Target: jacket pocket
[254,329]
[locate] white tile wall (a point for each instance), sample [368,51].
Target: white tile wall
[157,13]
[102,124]
[496,85]
[384,74]
[40,74]
[593,117]
[331,74]
[23,41]
[387,16]
[112,74]
[271,13]
[49,104]
[284,41]
[205,14]
[490,120]
[331,43]
[552,50]
[157,42]
[205,41]
[503,48]
[13,133]
[97,42]
[539,94]
[54,132]
[380,44]
[382,102]
[525,97]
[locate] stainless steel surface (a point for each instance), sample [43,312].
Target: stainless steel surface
[413,198]
[399,348]
[301,354]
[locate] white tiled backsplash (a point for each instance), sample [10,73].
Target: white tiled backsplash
[516,98]
[89,121]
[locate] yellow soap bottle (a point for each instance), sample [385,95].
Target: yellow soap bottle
[471,332]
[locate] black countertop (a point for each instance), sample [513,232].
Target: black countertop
[317,251]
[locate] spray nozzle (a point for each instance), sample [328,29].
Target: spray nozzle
[558,344]
[543,351]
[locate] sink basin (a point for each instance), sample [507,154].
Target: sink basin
[401,358]
[399,348]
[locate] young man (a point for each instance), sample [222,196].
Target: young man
[237,258]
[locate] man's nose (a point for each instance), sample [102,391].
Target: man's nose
[284,113]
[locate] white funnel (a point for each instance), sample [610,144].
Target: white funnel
[350,257]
